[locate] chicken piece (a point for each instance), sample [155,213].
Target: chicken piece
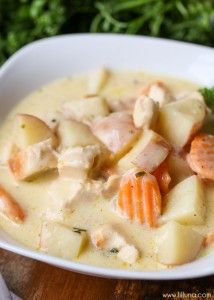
[85,110]
[111,186]
[139,198]
[145,112]
[97,80]
[116,131]
[106,238]
[208,239]
[76,162]
[201,156]
[152,155]
[158,92]
[10,208]
[35,159]
[7,150]
[128,254]
[64,192]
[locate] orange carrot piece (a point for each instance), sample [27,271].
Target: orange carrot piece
[201,156]
[10,208]
[137,191]
[148,200]
[127,192]
[139,198]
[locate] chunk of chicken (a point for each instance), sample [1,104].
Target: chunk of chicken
[33,160]
[76,162]
[10,208]
[64,192]
[116,131]
[7,150]
[97,80]
[86,109]
[158,92]
[145,112]
[107,238]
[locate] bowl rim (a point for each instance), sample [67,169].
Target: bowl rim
[201,267]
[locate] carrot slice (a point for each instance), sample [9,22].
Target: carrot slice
[139,198]
[10,208]
[163,177]
[201,156]
[148,202]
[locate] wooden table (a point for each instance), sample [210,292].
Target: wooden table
[32,280]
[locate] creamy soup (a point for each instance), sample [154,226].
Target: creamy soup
[110,169]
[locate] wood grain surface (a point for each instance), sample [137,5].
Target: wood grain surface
[34,280]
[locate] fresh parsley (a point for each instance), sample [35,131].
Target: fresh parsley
[208,94]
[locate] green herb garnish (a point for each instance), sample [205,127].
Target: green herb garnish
[23,126]
[78,230]
[140,174]
[191,21]
[208,94]
[114,250]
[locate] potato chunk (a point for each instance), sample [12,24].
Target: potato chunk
[177,244]
[148,153]
[86,109]
[61,241]
[179,120]
[72,134]
[97,80]
[31,130]
[185,202]
[116,131]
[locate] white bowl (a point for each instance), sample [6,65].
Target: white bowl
[61,56]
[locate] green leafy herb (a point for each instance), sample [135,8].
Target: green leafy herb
[208,94]
[140,174]
[114,250]
[78,230]
[23,21]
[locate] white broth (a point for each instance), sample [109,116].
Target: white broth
[88,213]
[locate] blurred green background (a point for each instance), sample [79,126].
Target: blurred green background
[22,21]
